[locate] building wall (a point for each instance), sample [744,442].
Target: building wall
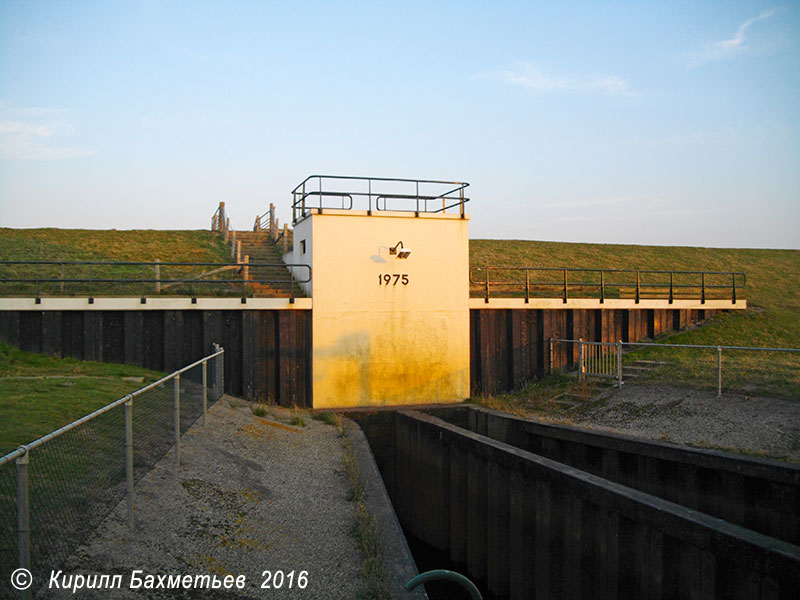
[388,344]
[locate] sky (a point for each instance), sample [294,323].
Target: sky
[670,123]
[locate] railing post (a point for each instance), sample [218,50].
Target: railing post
[176,387]
[527,285]
[565,286]
[619,363]
[91,297]
[461,201]
[719,371]
[602,286]
[285,238]
[638,285]
[129,457]
[703,287]
[733,288]
[550,343]
[205,391]
[487,285]
[246,266]
[157,269]
[580,360]
[24,516]
[671,274]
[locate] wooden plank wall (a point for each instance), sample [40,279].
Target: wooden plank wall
[267,352]
[510,347]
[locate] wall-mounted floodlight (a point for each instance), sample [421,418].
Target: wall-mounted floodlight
[399,250]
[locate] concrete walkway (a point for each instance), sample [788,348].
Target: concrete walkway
[252,494]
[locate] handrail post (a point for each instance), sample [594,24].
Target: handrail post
[671,286]
[602,286]
[176,393]
[703,287]
[91,297]
[461,200]
[23,516]
[527,284]
[129,458]
[733,288]
[565,286]
[205,391]
[157,270]
[487,285]
[719,371]
[581,359]
[619,363]
[638,285]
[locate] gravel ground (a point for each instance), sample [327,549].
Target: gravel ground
[251,494]
[767,427]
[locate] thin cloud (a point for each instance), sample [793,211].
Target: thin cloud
[537,80]
[27,134]
[730,47]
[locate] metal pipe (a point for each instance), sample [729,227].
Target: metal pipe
[444,575]
[205,392]
[177,397]
[129,457]
[619,363]
[719,371]
[580,360]
[23,515]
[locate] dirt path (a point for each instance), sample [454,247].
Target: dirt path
[252,494]
[767,427]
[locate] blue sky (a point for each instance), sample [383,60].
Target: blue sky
[673,123]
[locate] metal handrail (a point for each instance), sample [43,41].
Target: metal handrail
[306,190]
[738,281]
[246,268]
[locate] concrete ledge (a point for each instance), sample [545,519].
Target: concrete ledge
[608,304]
[398,563]
[61,303]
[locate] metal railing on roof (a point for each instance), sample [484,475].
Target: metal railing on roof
[315,193]
[550,282]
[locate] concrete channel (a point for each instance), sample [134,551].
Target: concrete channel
[546,511]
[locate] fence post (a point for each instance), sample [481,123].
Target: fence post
[129,457]
[550,343]
[285,239]
[157,269]
[23,516]
[274,232]
[580,359]
[238,251]
[719,371]
[619,363]
[205,391]
[177,396]
[246,266]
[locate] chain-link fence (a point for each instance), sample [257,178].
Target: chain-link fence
[745,370]
[56,490]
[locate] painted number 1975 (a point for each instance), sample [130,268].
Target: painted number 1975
[392,279]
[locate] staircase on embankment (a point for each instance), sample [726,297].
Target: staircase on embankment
[261,247]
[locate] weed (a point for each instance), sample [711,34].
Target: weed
[259,410]
[297,420]
[329,418]
[364,530]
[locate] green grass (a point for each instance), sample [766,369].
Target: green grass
[114,246]
[30,408]
[125,245]
[773,281]
[771,320]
